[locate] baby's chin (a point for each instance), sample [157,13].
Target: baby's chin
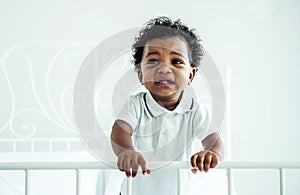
[166,94]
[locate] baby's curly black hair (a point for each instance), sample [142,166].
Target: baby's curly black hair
[163,27]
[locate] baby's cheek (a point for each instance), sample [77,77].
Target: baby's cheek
[147,78]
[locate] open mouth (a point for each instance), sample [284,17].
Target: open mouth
[164,82]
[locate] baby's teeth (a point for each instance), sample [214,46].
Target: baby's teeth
[164,82]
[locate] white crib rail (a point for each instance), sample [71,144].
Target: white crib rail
[27,166]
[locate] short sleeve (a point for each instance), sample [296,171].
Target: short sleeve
[201,123]
[129,112]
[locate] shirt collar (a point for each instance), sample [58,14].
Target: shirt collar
[186,103]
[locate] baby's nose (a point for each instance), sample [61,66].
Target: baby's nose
[164,68]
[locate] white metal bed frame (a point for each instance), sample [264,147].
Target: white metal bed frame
[77,166]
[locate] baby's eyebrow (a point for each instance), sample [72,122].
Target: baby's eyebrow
[152,53]
[157,53]
[176,53]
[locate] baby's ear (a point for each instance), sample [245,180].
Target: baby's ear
[140,75]
[192,74]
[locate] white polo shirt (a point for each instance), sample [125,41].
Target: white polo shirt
[163,135]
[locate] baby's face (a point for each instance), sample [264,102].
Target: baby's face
[165,67]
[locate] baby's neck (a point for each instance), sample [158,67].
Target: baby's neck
[170,103]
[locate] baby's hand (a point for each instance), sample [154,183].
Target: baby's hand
[130,160]
[204,160]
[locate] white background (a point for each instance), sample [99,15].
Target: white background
[258,40]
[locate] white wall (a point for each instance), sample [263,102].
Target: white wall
[258,40]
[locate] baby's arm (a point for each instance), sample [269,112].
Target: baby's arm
[128,159]
[212,154]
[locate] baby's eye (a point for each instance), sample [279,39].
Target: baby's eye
[177,62]
[153,61]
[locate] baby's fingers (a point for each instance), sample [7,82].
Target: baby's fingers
[127,166]
[200,162]
[207,162]
[194,163]
[143,164]
[215,162]
[194,160]
[130,162]
[204,160]
[120,163]
[135,166]
[197,162]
